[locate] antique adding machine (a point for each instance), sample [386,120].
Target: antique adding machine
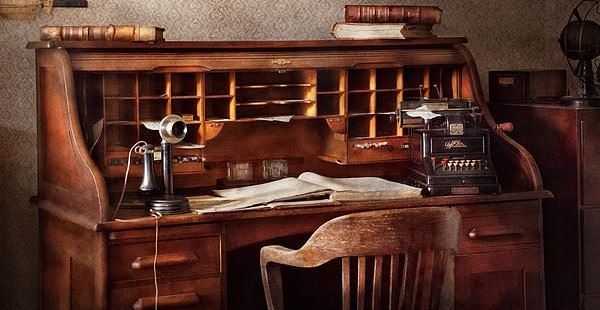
[450,155]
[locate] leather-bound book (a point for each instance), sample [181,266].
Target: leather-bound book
[416,15]
[131,33]
[362,31]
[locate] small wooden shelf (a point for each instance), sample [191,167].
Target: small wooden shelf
[415,89]
[213,120]
[120,98]
[218,96]
[274,86]
[186,97]
[274,101]
[121,123]
[330,92]
[360,114]
[361,91]
[157,97]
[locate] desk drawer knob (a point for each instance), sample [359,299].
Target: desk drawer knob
[171,259]
[495,232]
[168,301]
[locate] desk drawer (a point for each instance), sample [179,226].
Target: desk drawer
[181,252]
[191,294]
[508,226]
[378,149]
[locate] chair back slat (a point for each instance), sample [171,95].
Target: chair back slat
[394,287]
[346,283]
[377,272]
[394,259]
[441,259]
[412,279]
[361,282]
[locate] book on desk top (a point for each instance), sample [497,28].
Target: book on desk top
[130,33]
[382,13]
[308,189]
[360,31]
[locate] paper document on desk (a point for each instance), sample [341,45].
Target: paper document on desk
[306,190]
[289,189]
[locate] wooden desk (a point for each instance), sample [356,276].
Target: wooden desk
[214,257]
[343,96]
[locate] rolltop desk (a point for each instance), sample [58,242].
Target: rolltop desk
[343,96]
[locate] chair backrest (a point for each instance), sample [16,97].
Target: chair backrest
[391,259]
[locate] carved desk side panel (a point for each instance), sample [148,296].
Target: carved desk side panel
[516,167]
[68,177]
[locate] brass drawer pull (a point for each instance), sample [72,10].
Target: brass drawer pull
[374,145]
[182,258]
[495,232]
[168,301]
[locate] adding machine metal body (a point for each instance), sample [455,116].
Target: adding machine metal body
[450,156]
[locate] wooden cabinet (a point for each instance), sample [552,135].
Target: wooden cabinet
[564,141]
[335,107]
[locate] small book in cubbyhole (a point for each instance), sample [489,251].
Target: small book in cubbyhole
[308,189]
[359,31]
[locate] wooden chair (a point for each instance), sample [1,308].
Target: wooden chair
[411,252]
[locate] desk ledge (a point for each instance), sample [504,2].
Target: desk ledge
[346,207]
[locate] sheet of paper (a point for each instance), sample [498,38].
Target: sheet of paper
[96,133]
[151,125]
[423,112]
[283,119]
[284,189]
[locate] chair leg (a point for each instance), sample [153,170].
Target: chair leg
[271,278]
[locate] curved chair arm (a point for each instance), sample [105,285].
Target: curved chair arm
[271,273]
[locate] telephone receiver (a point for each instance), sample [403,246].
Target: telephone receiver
[172,129]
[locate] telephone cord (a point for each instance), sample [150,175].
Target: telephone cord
[157,215]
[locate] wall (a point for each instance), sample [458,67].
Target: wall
[504,34]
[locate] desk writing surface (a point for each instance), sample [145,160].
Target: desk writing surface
[139,219]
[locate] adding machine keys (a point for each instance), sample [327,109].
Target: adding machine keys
[451,155]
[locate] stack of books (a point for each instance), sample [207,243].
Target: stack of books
[387,22]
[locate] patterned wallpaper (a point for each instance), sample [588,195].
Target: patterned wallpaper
[504,34]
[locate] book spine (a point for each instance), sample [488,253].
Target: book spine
[130,33]
[427,15]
